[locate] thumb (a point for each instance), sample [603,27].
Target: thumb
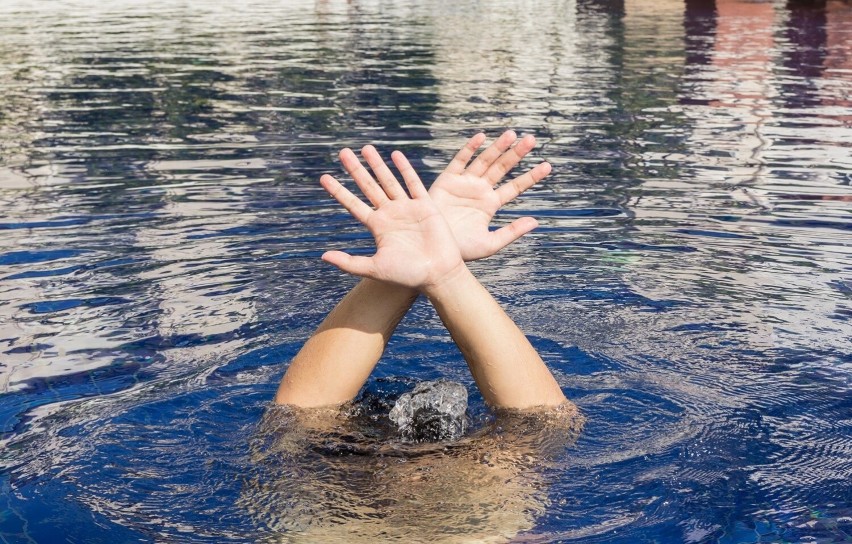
[504,236]
[357,266]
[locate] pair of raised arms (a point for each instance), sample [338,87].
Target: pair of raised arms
[423,239]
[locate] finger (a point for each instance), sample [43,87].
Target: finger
[481,163]
[358,266]
[508,191]
[504,236]
[352,203]
[362,177]
[388,181]
[412,180]
[461,159]
[510,159]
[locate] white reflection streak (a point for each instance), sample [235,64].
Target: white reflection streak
[59,342]
[520,60]
[187,277]
[482,66]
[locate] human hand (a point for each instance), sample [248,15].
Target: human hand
[468,197]
[414,245]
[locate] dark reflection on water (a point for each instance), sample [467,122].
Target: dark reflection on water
[160,227]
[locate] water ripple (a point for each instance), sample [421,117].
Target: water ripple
[689,284]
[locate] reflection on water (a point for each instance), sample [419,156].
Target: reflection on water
[161,223]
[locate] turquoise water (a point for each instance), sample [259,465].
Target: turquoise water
[689,285]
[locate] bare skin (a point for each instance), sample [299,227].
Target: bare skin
[423,240]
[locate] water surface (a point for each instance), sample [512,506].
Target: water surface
[691,283]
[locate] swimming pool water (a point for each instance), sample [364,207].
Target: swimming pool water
[690,284]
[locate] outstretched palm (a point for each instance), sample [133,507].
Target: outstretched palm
[424,237]
[414,244]
[467,197]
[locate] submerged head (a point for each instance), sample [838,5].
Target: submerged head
[433,412]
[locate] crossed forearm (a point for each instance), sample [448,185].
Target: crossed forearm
[338,358]
[336,361]
[507,369]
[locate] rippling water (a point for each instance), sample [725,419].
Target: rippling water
[691,284]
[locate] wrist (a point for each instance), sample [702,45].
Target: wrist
[447,282]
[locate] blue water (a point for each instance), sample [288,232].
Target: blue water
[690,284]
